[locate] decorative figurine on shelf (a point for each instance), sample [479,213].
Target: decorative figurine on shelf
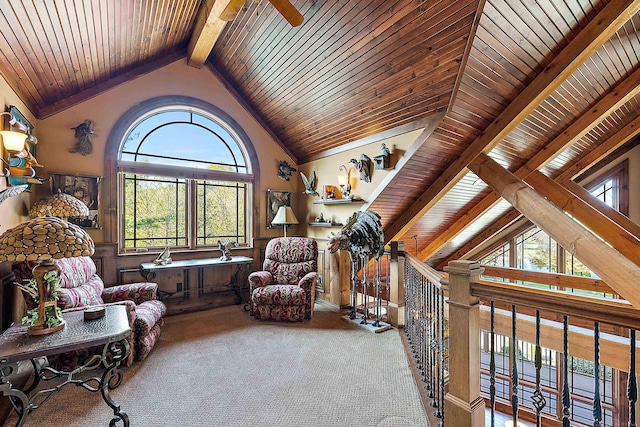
[363,166]
[83,134]
[225,249]
[164,258]
[310,184]
[320,218]
[285,170]
[382,161]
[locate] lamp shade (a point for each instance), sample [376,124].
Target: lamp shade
[43,239]
[60,205]
[284,216]
[13,141]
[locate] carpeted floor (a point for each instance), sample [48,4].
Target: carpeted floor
[223,368]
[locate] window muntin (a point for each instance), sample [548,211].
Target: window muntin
[606,191]
[499,257]
[186,182]
[535,250]
[612,187]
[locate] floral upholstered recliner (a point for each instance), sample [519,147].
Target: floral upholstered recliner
[285,289]
[81,287]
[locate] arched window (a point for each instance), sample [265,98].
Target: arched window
[184,180]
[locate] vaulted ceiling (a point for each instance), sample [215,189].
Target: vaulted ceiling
[548,85]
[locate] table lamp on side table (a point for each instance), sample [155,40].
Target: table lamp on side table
[284,217]
[44,239]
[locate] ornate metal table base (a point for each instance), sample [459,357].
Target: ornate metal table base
[109,332]
[24,402]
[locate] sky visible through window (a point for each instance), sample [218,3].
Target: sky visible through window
[182,138]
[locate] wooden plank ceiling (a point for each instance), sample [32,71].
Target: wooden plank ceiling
[536,85]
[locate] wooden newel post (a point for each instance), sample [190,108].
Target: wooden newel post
[463,405]
[396,284]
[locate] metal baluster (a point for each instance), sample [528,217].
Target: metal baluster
[440,293]
[538,399]
[430,355]
[407,307]
[597,406]
[435,346]
[410,301]
[426,361]
[492,365]
[566,398]
[419,314]
[514,367]
[420,299]
[632,385]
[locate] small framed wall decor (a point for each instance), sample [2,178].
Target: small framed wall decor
[275,199]
[84,188]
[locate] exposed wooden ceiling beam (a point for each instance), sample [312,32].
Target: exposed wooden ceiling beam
[601,151]
[623,241]
[469,216]
[429,126]
[616,270]
[426,122]
[597,32]
[614,99]
[208,28]
[506,227]
[607,210]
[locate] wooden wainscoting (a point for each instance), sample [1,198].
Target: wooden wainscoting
[7,296]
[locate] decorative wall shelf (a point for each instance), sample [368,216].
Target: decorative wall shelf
[325,224]
[337,201]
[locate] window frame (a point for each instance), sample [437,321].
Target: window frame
[620,175]
[115,168]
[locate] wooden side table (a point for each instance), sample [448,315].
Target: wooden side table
[111,331]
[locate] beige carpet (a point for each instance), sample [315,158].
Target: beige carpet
[223,368]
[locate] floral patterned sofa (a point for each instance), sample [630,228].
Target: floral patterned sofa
[81,287]
[285,289]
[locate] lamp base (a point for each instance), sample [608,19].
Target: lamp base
[42,330]
[45,301]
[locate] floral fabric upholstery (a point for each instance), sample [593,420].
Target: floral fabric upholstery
[285,289]
[146,342]
[81,287]
[288,259]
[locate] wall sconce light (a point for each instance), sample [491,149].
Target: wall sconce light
[14,141]
[344,180]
